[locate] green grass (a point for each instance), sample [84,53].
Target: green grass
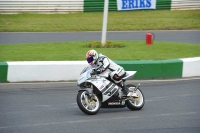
[132,20]
[117,21]
[133,50]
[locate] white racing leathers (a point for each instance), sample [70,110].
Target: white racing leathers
[104,63]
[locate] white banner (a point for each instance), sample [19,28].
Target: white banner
[135,4]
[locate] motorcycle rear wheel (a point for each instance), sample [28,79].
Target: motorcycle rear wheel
[90,107]
[136,103]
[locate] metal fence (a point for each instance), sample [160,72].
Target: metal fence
[41,6]
[185,4]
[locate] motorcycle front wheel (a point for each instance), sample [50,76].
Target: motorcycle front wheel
[87,105]
[136,103]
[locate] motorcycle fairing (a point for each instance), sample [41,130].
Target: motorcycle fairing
[106,87]
[129,75]
[114,102]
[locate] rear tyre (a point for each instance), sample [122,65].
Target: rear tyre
[86,105]
[136,103]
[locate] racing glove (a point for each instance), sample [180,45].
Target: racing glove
[94,72]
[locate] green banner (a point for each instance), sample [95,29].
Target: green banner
[3,71]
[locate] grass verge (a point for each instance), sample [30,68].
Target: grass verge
[132,50]
[132,20]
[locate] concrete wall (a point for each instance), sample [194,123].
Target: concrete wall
[191,67]
[154,69]
[44,70]
[70,70]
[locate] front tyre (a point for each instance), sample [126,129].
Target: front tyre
[86,105]
[136,103]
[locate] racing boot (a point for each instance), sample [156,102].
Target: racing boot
[124,88]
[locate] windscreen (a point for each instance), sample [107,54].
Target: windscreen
[85,70]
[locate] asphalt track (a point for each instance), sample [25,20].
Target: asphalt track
[171,107]
[192,36]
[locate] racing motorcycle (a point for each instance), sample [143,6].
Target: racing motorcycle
[99,91]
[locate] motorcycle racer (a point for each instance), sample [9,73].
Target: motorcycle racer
[103,62]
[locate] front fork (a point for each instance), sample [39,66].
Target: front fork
[89,92]
[132,91]
[137,87]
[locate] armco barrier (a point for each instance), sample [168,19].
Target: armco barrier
[98,5]
[65,6]
[185,4]
[163,4]
[70,70]
[41,6]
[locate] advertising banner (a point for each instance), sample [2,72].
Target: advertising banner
[135,4]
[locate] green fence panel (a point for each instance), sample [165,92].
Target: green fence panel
[3,71]
[163,4]
[98,5]
[154,69]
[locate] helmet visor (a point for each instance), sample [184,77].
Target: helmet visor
[89,59]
